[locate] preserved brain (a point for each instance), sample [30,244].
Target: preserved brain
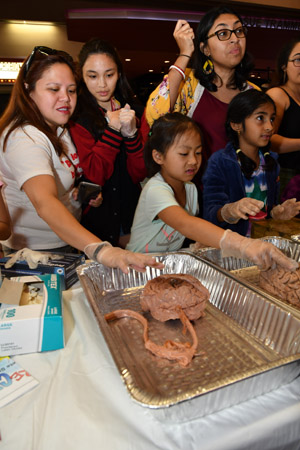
[164,294]
[282,283]
[170,296]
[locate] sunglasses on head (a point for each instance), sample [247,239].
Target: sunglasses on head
[46,51]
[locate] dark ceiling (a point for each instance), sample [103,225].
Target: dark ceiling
[56,9]
[147,42]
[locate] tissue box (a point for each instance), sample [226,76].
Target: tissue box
[31,315]
[65,267]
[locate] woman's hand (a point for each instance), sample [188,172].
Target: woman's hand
[115,257]
[125,259]
[127,121]
[184,37]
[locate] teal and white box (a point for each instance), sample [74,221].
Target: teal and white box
[65,266]
[33,327]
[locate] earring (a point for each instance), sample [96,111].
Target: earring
[208,67]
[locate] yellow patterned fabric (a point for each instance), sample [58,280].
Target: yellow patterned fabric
[158,103]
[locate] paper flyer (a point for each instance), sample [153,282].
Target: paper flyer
[14,381]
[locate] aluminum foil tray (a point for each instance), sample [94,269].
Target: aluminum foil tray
[296,238]
[249,273]
[251,345]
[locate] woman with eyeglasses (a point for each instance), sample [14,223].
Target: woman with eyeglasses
[211,68]
[286,140]
[39,164]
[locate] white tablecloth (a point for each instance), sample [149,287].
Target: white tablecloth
[81,403]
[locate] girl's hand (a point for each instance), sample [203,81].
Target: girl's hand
[96,202]
[128,121]
[75,193]
[233,212]
[287,210]
[184,37]
[113,119]
[263,254]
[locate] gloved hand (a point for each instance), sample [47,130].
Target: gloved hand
[287,210]
[32,258]
[106,254]
[233,212]
[195,246]
[263,254]
[128,121]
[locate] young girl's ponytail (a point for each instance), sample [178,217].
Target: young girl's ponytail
[270,162]
[248,165]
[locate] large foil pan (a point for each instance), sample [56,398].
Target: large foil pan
[249,273]
[251,346]
[296,238]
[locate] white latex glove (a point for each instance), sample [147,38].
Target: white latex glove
[32,257]
[128,121]
[104,253]
[196,246]
[233,212]
[287,210]
[263,254]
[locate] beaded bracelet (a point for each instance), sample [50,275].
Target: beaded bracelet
[178,70]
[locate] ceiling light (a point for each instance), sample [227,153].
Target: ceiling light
[29,22]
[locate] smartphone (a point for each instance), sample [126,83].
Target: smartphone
[87,191]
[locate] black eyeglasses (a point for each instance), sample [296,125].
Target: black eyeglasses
[295,61]
[47,51]
[225,34]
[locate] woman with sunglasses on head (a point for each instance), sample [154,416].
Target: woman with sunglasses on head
[286,139]
[211,68]
[107,131]
[39,164]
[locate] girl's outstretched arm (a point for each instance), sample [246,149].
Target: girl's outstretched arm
[194,228]
[263,254]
